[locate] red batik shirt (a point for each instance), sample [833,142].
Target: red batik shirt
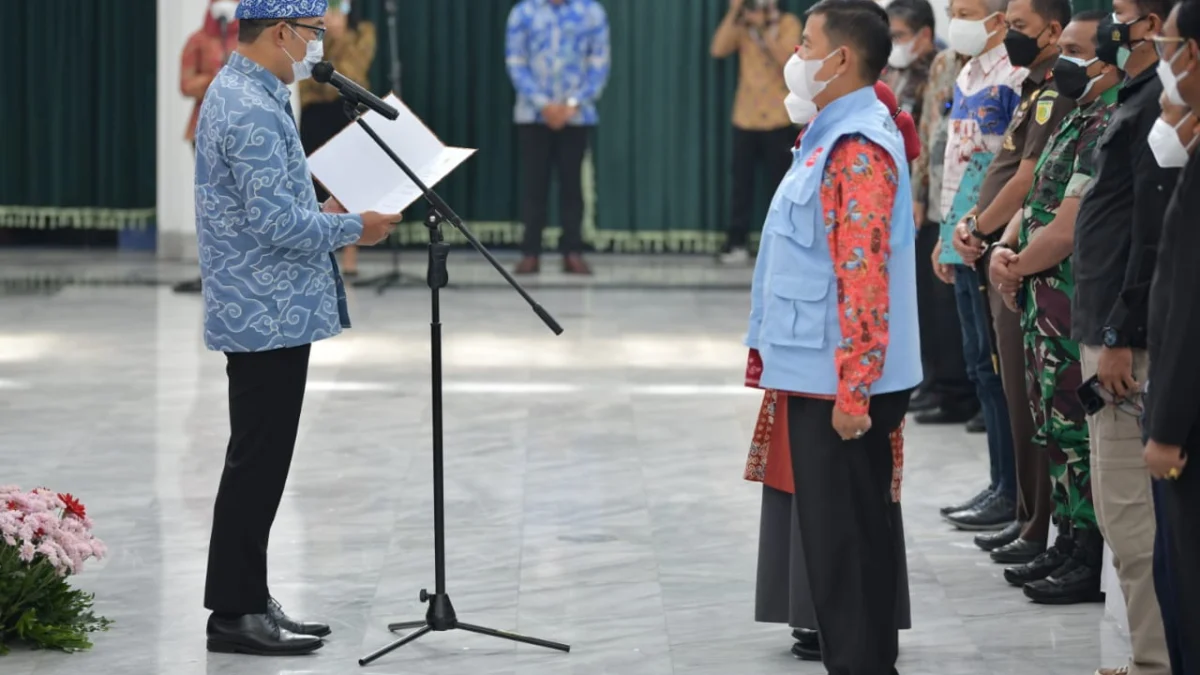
[858,192]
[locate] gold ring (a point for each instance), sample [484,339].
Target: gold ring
[1173,473]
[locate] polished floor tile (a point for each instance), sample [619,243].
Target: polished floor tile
[593,485]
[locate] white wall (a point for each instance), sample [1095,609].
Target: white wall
[177,20]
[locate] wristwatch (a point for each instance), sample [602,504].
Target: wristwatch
[572,102]
[972,223]
[1111,337]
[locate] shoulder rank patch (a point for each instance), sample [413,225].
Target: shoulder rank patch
[1044,109]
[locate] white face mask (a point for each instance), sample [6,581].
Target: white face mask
[970,38]
[799,110]
[314,53]
[1170,81]
[1169,151]
[801,76]
[223,10]
[902,55]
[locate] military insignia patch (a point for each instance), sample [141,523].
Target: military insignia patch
[1044,109]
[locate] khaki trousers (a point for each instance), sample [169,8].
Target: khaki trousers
[1125,511]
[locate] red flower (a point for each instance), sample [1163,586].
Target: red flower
[74,506]
[12,505]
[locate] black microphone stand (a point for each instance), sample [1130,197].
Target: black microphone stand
[394,278]
[440,616]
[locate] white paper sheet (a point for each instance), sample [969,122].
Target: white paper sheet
[362,177]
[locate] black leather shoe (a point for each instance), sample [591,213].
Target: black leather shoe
[994,514]
[922,400]
[969,504]
[189,286]
[807,637]
[1042,566]
[995,540]
[1078,579]
[1019,552]
[257,634]
[298,627]
[944,415]
[806,652]
[977,425]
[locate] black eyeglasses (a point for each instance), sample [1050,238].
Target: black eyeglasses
[316,29]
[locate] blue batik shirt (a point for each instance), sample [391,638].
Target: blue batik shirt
[266,250]
[556,52]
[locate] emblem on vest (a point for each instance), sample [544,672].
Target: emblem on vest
[812,159]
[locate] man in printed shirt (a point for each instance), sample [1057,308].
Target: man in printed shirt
[271,289]
[833,316]
[764,39]
[985,99]
[1041,273]
[558,59]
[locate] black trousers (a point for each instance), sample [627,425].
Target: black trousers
[844,503]
[941,336]
[542,151]
[266,393]
[773,150]
[1181,498]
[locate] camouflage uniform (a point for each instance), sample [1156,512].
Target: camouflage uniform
[1053,373]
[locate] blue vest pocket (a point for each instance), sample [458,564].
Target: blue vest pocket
[796,311]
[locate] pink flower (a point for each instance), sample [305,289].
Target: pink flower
[27,552]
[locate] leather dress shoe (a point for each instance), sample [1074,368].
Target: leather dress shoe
[1019,552]
[257,634]
[298,627]
[977,424]
[808,644]
[1078,579]
[969,504]
[994,514]
[944,415]
[573,263]
[528,265]
[1042,566]
[995,540]
[922,400]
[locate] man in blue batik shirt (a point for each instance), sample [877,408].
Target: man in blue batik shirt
[271,288]
[558,58]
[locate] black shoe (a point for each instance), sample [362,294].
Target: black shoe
[189,286]
[969,504]
[1020,552]
[298,627]
[944,415]
[994,514]
[1042,566]
[1078,579]
[922,400]
[807,637]
[977,425]
[991,542]
[807,652]
[257,634]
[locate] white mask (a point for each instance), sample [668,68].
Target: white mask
[1170,81]
[223,10]
[801,76]
[799,110]
[902,55]
[970,38]
[1169,151]
[314,53]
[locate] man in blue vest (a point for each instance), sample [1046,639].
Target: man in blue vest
[271,289]
[834,316]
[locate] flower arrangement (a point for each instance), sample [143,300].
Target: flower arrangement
[45,537]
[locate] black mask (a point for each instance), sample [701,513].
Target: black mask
[1022,49]
[1111,35]
[1071,79]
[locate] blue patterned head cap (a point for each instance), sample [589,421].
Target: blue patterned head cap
[281,9]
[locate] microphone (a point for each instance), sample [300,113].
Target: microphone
[324,73]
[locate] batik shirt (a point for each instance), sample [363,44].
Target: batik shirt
[909,85]
[986,95]
[1064,170]
[933,129]
[556,52]
[266,251]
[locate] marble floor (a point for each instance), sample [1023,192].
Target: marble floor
[594,490]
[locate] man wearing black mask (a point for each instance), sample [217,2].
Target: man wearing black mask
[1032,43]
[1116,236]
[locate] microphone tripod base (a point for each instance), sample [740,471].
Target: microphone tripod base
[441,618]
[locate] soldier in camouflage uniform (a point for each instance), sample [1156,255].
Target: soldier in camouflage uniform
[1039,282]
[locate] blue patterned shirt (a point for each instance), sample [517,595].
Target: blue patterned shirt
[266,250]
[556,52]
